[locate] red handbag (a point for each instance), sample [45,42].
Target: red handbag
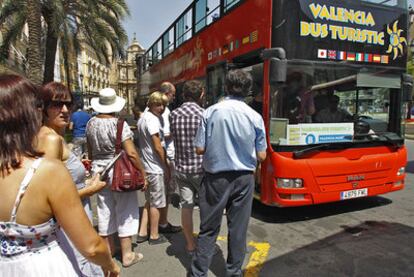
[126,177]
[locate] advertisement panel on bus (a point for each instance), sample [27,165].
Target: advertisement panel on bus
[360,32]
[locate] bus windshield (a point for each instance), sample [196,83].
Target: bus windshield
[329,104]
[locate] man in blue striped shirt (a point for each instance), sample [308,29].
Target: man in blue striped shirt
[231,137]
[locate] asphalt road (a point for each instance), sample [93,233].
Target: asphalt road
[363,237]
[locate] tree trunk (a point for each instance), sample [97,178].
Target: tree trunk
[51,48]
[34,56]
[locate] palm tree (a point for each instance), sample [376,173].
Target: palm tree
[100,28]
[18,13]
[68,22]
[35,34]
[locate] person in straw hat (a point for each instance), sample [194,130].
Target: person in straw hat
[117,212]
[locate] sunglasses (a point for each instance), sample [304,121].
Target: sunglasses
[59,104]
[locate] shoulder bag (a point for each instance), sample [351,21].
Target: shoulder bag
[126,177]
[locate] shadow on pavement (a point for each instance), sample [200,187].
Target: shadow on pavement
[369,249]
[270,214]
[177,249]
[409,168]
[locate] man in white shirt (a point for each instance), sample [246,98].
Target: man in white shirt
[151,141]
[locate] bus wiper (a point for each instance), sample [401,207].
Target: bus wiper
[303,152]
[391,138]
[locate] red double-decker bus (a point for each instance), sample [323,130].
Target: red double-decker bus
[329,81]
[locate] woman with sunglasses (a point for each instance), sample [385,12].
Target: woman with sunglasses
[58,101]
[38,196]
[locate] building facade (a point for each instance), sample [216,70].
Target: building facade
[93,75]
[127,84]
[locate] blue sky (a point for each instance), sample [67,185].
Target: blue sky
[149,18]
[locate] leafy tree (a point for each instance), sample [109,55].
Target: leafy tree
[17,14]
[95,22]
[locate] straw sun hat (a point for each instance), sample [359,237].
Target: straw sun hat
[107,102]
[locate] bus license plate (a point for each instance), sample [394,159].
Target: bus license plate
[354,193]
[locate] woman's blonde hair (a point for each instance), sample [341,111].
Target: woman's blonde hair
[157,98]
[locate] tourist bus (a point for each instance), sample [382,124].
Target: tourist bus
[328,78]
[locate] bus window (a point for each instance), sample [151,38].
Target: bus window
[228,4]
[183,28]
[213,11]
[200,14]
[168,42]
[206,12]
[157,51]
[391,3]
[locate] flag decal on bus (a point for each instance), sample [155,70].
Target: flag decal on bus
[254,36]
[332,54]
[351,56]
[322,53]
[384,59]
[376,58]
[341,55]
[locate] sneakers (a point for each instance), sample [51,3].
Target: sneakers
[161,239]
[169,229]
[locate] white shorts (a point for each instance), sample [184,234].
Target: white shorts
[117,212]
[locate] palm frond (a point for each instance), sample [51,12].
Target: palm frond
[11,9]
[11,35]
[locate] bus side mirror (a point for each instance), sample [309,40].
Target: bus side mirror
[278,64]
[277,72]
[407,87]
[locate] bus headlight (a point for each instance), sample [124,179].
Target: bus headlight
[401,171]
[289,183]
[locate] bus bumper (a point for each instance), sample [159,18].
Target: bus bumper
[293,198]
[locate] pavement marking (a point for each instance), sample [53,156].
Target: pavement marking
[257,258]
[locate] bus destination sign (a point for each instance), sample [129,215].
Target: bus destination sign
[354,31]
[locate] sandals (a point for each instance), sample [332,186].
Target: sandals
[161,239]
[141,239]
[137,258]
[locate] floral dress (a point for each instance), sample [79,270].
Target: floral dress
[32,250]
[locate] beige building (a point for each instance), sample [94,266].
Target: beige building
[93,74]
[119,75]
[127,74]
